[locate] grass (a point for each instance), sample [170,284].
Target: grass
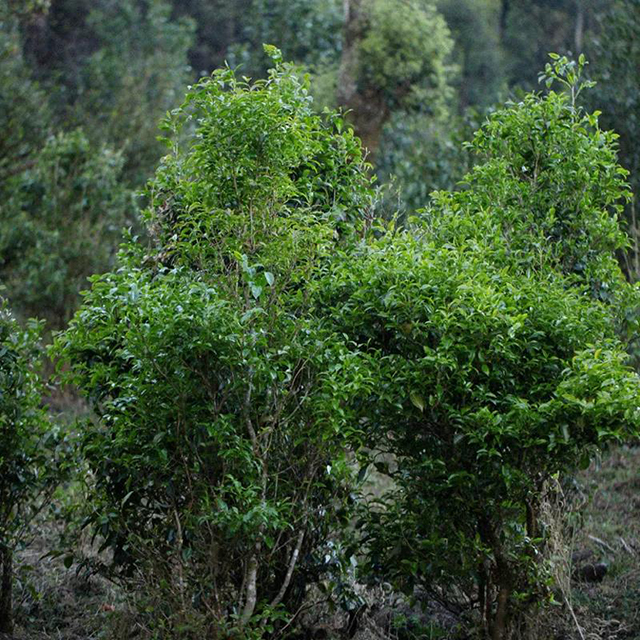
[59,602]
[609,532]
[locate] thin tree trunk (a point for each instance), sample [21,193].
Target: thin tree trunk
[579,28]
[292,565]
[532,520]
[368,111]
[502,579]
[251,576]
[484,597]
[500,621]
[251,590]
[347,82]
[504,14]
[6,581]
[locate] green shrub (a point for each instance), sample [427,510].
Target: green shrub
[218,445]
[549,177]
[488,360]
[23,457]
[483,385]
[62,219]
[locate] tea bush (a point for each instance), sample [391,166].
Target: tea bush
[218,449]
[26,471]
[549,177]
[487,337]
[484,384]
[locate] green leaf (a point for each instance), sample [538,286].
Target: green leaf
[417,400]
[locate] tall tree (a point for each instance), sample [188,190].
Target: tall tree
[395,57]
[474,25]
[116,88]
[530,29]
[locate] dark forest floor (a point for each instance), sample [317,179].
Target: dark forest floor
[58,603]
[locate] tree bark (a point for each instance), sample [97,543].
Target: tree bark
[6,582]
[368,110]
[352,33]
[251,589]
[292,565]
[502,579]
[499,627]
[579,28]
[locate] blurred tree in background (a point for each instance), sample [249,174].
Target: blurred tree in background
[530,29]
[114,68]
[131,81]
[62,220]
[394,58]
[477,50]
[24,111]
[308,31]
[84,86]
[615,49]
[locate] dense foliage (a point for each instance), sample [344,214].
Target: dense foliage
[23,458]
[483,384]
[62,219]
[74,152]
[487,341]
[404,70]
[219,453]
[617,51]
[552,185]
[271,328]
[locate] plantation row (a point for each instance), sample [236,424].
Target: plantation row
[270,340]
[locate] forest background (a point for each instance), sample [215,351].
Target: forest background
[85,85]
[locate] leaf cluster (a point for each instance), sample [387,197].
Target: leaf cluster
[26,439]
[62,218]
[404,54]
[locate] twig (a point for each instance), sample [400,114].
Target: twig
[573,615]
[602,543]
[304,607]
[294,558]
[626,546]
